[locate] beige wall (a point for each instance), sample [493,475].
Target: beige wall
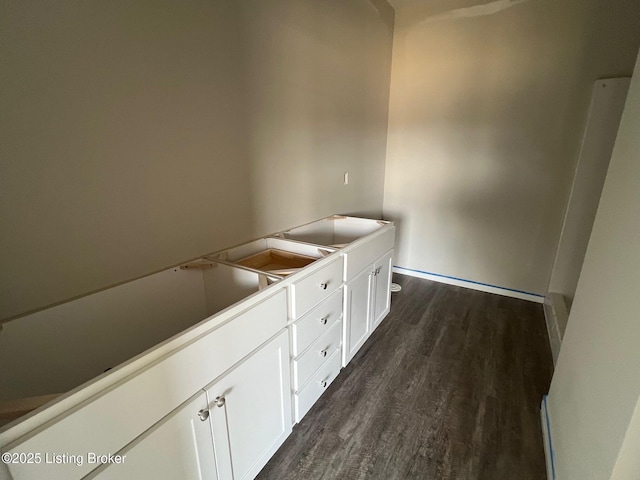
[596,385]
[135,135]
[488,101]
[317,88]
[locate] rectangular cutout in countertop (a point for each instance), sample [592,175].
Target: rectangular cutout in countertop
[276,261]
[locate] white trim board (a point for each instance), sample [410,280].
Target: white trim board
[460,282]
[555,314]
[552,330]
[546,440]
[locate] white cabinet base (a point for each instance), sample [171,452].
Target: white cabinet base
[367,302]
[357,309]
[255,416]
[381,301]
[244,334]
[179,446]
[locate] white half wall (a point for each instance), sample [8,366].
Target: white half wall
[607,103]
[596,385]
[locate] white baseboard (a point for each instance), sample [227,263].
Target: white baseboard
[546,440]
[459,282]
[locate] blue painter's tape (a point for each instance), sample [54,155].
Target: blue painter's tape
[470,281]
[546,416]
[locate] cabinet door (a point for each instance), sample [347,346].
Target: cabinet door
[251,410]
[357,307]
[178,446]
[382,289]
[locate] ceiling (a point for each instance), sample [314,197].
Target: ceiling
[436,3]
[403,3]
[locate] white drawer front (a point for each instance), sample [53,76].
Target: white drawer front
[108,422]
[305,399]
[364,254]
[312,289]
[306,364]
[315,323]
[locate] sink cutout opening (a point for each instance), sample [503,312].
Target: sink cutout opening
[334,232]
[278,262]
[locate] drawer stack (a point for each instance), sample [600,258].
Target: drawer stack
[316,336]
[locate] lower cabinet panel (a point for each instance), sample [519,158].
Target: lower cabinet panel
[357,312]
[382,289]
[179,446]
[229,431]
[250,410]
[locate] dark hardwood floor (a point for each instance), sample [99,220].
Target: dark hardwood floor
[448,387]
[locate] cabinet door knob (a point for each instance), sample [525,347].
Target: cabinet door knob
[203,414]
[323,384]
[219,401]
[324,320]
[323,353]
[323,286]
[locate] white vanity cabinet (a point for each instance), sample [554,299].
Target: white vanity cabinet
[209,362]
[367,248]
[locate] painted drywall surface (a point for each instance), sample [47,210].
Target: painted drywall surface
[599,137]
[122,143]
[135,135]
[488,101]
[318,94]
[596,386]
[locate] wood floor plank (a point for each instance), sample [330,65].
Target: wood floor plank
[448,387]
